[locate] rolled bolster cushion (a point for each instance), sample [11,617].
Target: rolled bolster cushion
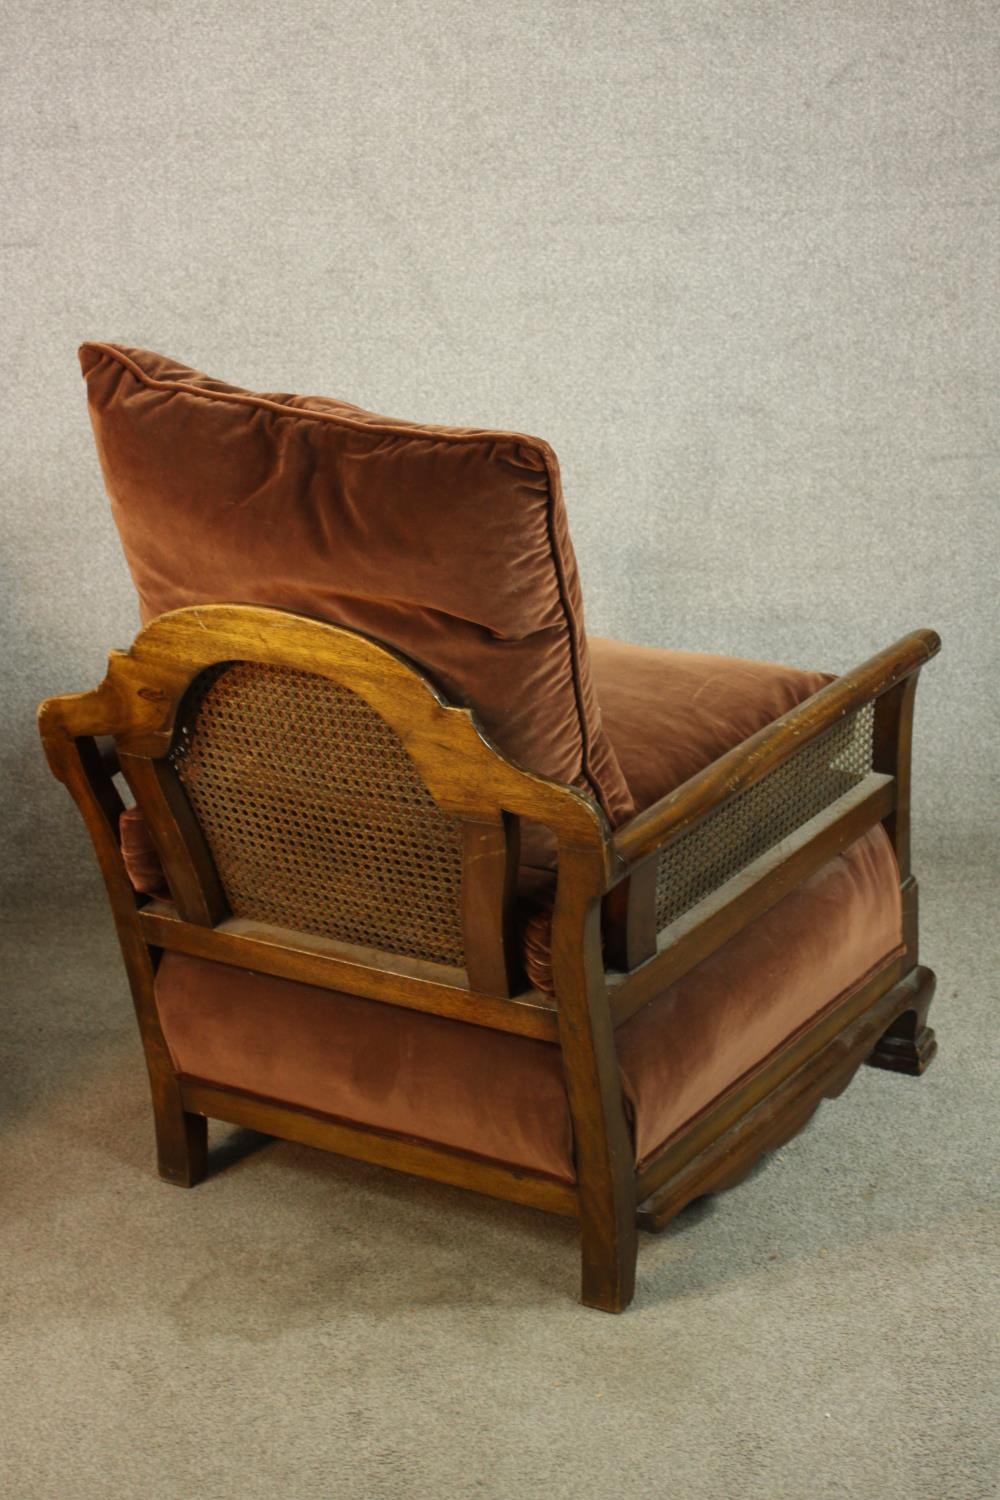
[142,863]
[536,898]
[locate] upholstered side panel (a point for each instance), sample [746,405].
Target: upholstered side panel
[498,1095]
[503,1096]
[450,544]
[718,1023]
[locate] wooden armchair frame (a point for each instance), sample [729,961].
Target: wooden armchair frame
[606,884]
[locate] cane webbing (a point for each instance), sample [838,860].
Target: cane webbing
[760,817]
[314,812]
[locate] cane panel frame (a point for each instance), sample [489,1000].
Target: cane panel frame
[314,813]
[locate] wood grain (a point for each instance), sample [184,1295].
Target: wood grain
[392,979]
[398,1152]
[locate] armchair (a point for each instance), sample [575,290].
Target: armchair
[419,873]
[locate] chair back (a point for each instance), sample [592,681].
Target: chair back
[309,792]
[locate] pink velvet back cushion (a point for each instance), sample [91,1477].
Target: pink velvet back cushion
[449,544]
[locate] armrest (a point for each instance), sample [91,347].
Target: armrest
[710,856]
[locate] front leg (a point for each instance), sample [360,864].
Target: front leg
[909,1044]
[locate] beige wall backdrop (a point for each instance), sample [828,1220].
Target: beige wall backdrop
[736,261]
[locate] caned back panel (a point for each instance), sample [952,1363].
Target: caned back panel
[314,812]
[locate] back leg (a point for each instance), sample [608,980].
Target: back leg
[181,1139]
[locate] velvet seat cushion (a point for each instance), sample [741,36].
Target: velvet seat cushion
[669,714]
[502,1096]
[450,544]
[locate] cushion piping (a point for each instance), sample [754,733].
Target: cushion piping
[575,626]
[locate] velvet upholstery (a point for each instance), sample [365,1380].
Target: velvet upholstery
[498,1095]
[718,1022]
[502,1096]
[450,544]
[669,714]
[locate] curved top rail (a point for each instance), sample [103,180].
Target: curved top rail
[139,698]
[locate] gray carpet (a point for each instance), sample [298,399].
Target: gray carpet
[302,1326]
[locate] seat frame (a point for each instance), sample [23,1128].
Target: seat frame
[607,958]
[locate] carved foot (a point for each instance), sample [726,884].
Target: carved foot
[902,1054]
[909,1045]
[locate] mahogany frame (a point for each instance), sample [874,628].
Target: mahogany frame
[607,959]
